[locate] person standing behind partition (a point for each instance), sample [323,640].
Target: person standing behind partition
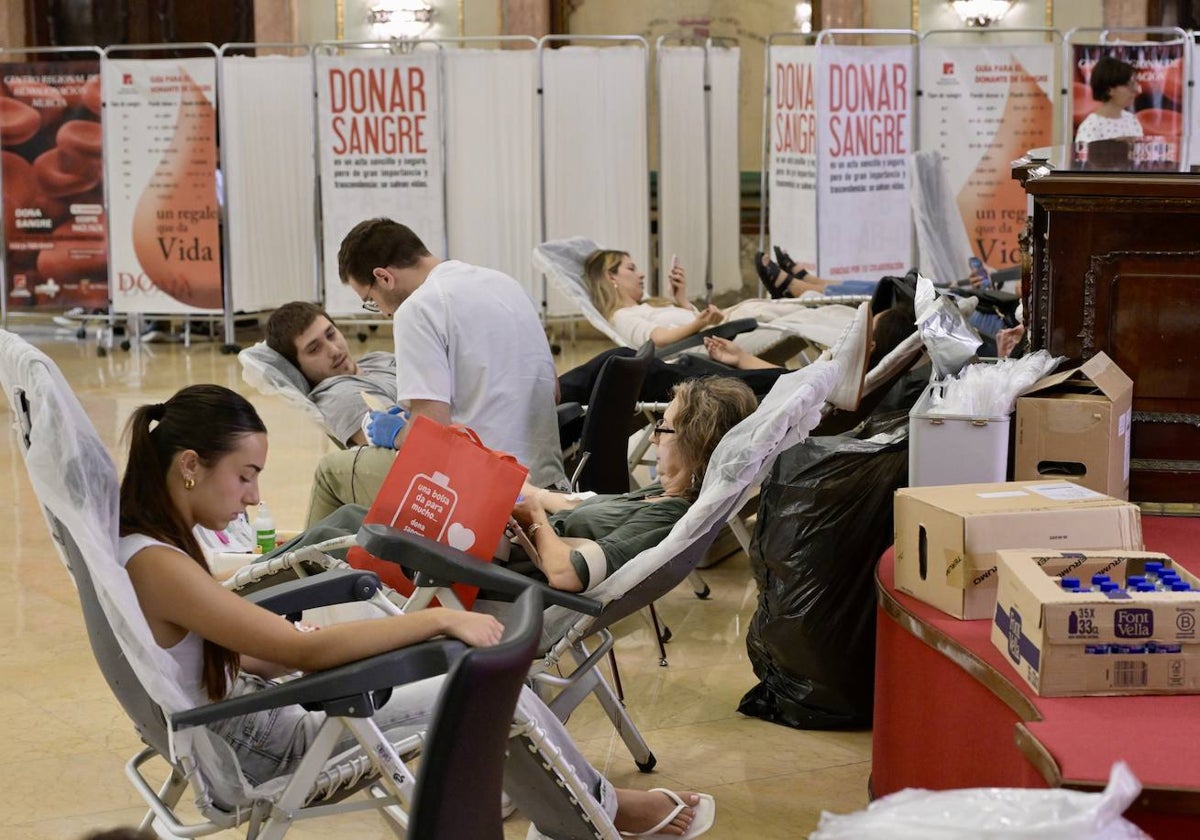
[1114,86]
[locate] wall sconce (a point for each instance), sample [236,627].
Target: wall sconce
[400,18]
[981,12]
[803,17]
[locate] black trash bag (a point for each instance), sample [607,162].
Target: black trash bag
[824,519]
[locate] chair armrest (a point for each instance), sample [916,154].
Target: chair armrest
[449,564]
[339,691]
[336,586]
[726,330]
[568,412]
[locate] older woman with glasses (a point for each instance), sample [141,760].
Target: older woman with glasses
[579,543]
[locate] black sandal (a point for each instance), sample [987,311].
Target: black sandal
[771,276]
[789,265]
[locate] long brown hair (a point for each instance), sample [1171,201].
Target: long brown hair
[209,420]
[707,408]
[598,269]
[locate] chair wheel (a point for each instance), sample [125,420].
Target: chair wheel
[648,764]
[81,332]
[125,344]
[373,327]
[662,663]
[362,336]
[704,593]
[101,351]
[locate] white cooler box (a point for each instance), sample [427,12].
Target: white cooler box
[954,448]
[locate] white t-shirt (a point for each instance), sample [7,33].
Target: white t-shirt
[188,652]
[470,337]
[635,323]
[1095,127]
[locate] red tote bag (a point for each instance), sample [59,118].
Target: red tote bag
[447,486]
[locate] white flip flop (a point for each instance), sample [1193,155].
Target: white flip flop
[702,821]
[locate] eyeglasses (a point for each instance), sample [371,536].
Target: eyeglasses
[368,304]
[661,429]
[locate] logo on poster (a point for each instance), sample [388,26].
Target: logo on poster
[127,78]
[947,68]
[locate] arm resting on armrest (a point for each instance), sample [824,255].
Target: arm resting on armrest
[726,330]
[449,564]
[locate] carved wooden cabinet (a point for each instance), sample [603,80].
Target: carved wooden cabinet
[1113,265]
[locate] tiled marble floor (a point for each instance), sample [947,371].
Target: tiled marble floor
[66,739]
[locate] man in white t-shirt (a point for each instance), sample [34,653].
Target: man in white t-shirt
[470,350]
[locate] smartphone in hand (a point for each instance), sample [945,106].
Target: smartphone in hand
[978,270]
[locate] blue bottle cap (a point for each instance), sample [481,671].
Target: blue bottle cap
[1170,648]
[1109,586]
[1134,580]
[1099,579]
[1069,583]
[1136,649]
[1181,586]
[1153,566]
[1144,587]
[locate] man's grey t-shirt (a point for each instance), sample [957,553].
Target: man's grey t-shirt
[339,398]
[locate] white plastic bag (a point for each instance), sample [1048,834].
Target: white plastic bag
[993,814]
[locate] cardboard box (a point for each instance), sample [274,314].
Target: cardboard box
[954,448]
[947,537]
[1075,425]
[1062,642]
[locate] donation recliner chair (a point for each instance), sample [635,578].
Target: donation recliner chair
[785,417]
[562,262]
[76,484]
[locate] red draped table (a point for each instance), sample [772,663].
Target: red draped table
[950,712]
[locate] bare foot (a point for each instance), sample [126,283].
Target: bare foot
[641,810]
[810,283]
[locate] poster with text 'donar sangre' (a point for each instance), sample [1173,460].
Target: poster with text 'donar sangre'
[865,103]
[380,146]
[792,132]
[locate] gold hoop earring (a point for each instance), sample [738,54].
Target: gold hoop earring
[189,483]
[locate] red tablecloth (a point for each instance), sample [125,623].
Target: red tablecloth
[951,712]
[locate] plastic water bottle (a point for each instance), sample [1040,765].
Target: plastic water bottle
[264,529]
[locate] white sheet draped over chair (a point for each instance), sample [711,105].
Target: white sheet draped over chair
[270,180]
[698,183]
[492,172]
[594,129]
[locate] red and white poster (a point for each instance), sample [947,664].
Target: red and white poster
[164,220]
[865,105]
[983,107]
[52,173]
[1159,106]
[792,164]
[380,139]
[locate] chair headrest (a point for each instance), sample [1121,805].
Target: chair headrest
[269,372]
[562,261]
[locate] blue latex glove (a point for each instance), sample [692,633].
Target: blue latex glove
[383,426]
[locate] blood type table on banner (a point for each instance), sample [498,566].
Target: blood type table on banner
[951,713]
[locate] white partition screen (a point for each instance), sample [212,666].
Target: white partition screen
[379,122]
[724,71]
[492,173]
[594,136]
[698,188]
[270,180]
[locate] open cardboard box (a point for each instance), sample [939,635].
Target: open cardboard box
[1075,425]
[1077,643]
[947,537]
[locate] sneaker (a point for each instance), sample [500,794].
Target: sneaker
[852,352]
[158,332]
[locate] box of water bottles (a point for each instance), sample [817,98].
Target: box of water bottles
[1098,622]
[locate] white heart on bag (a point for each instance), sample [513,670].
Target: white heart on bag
[460,536]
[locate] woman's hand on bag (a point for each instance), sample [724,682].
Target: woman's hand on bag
[476,629]
[529,510]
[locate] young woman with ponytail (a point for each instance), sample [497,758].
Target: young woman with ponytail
[195,460]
